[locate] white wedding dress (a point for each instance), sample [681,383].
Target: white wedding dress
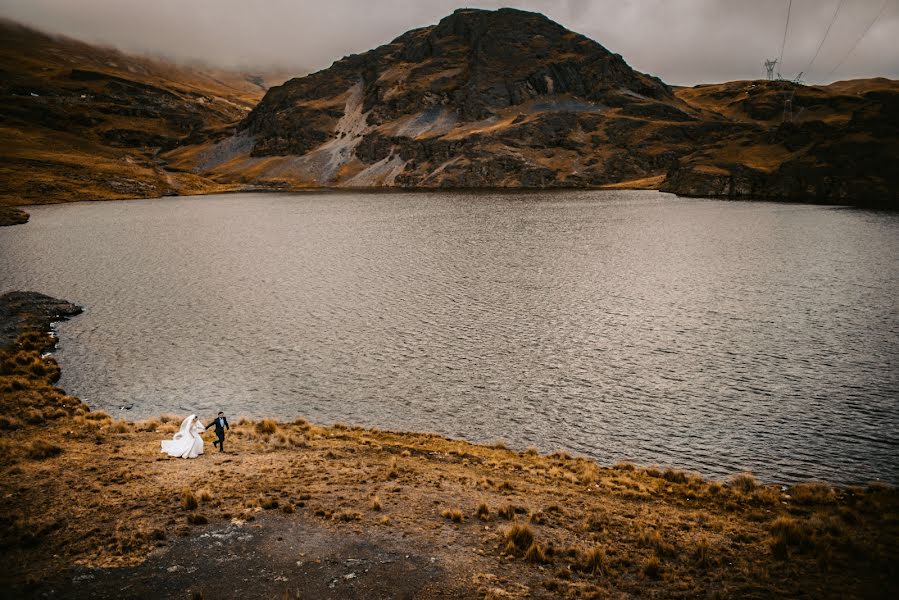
[187,443]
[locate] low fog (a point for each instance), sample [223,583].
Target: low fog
[682,41]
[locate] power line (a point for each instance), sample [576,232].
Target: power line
[860,38]
[786,27]
[808,69]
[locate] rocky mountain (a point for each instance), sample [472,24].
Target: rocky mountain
[484,98]
[84,122]
[508,98]
[503,98]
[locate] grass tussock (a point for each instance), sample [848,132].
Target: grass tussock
[652,567]
[518,539]
[744,483]
[813,493]
[674,475]
[40,450]
[197,519]
[453,514]
[596,522]
[346,516]
[651,538]
[507,512]
[119,427]
[789,532]
[393,472]
[204,495]
[298,441]
[97,415]
[147,425]
[189,500]
[593,561]
[266,427]
[483,512]
[376,504]
[535,554]
[703,554]
[268,502]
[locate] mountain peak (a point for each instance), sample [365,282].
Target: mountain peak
[401,110]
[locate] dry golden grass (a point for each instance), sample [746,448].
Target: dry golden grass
[627,533]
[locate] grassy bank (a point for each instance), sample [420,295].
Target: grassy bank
[82,488]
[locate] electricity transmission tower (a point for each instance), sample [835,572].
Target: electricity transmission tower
[788,106]
[788,98]
[769,66]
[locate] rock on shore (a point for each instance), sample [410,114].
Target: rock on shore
[23,311]
[12,216]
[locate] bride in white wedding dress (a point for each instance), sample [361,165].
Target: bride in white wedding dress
[187,443]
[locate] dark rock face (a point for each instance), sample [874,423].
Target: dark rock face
[474,66]
[21,311]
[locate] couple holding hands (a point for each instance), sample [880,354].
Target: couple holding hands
[188,442]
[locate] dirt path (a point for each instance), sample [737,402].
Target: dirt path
[272,557]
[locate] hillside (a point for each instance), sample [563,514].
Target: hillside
[840,147]
[502,98]
[84,122]
[509,98]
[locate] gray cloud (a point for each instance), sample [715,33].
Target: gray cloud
[681,41]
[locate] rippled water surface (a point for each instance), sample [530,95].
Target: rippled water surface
[707,335]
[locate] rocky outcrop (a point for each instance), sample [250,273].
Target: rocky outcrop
[24,311]
[12,216]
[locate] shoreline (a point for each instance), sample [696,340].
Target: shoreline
[471,521]
[630,185]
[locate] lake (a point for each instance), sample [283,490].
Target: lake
[707,335]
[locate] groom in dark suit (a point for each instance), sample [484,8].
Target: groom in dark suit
[221,424]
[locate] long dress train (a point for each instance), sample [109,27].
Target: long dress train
[187,443]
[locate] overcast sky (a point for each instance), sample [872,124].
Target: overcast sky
[682,41]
